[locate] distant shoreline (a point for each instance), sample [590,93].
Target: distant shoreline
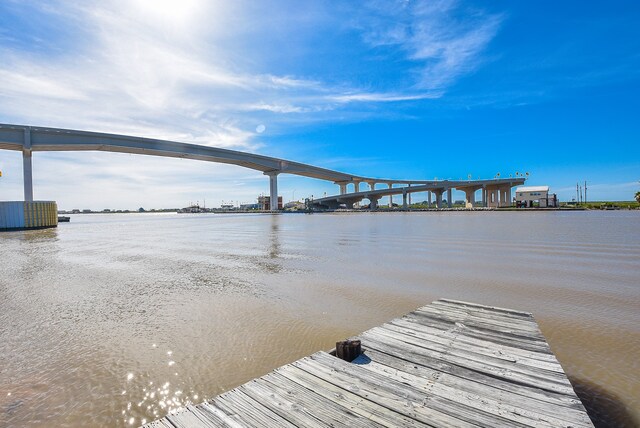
[380,210]
[589,206]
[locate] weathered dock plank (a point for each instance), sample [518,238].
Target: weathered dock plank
[450,363]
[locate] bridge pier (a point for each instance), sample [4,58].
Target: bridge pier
[343,188]
[356,186]
[27,168]
[27,173]
[428,199]
[373,203]
[438,193]
[273,190]
[470,197]
[390,197]
[492,196]
[449,195]
[505,196]
[404,199]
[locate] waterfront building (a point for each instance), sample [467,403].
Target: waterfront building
[265,202]
[193,208]
[294,206]
[535,196]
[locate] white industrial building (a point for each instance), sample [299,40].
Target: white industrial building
[535,196]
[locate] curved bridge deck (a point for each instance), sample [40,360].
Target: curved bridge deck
[447,364]
[32,138]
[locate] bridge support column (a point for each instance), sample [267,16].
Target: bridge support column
[493,196]
[428,199]
[273,190]
[470,198]
[409,196]
[373,203]
[27,170]
[438,193]
[356,186]
[449,201]
[390,197]
[27,176]
[484,196]
[404,199]
[372,185]
[505,196]
[343,188]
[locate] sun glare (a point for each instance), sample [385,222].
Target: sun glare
[177,11]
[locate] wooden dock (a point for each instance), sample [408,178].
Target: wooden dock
[448,364]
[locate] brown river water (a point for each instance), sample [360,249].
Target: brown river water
[113,320]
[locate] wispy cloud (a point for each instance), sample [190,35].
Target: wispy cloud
[382,97]
[444,38]
[275,108]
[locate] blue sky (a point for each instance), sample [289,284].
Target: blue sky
[394,89]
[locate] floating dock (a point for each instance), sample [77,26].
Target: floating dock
[448,364]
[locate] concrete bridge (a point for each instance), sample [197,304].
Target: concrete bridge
[29,139]
[495,193]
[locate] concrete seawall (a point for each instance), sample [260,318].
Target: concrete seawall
[20,215]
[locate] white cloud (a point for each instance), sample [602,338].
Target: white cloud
[36,84]
[275,108]
[442,44]
[382,97]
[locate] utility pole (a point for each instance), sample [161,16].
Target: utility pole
[577,193]
[585,191]
[581,197]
